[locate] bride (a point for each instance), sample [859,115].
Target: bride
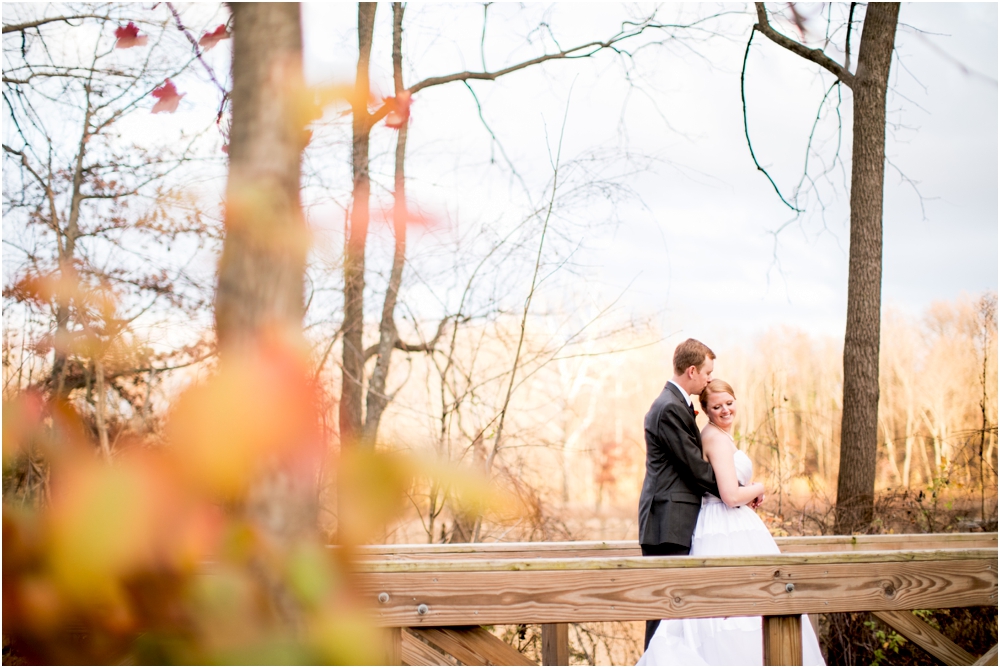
[726,526]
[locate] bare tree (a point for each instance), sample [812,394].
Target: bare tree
[89,216]
[869,83]
[353,424]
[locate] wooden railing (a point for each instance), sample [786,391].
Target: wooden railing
[435,598]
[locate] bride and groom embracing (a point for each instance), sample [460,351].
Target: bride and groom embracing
[698,498]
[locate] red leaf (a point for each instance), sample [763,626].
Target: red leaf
[167,98]
[128,36]
[399,109]
[210,39]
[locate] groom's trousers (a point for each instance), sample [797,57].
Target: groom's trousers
[661,550]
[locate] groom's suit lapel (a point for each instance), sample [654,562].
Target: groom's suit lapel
[688,409]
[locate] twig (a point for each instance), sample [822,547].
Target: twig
[746,125]
[479,108]
[198,55]
[497,443]
[814,55]
[22,27]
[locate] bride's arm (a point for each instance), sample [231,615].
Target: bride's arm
[720,456]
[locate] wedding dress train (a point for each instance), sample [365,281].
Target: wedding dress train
[720,641]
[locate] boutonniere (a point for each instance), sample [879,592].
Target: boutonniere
[696,412]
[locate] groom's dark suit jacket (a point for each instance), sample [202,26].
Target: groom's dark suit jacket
[676,474]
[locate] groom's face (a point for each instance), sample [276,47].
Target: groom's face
[702,376]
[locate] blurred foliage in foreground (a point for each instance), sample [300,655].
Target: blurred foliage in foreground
[161,555]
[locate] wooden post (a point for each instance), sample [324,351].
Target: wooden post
[555,644]
[782,640]
[394,646]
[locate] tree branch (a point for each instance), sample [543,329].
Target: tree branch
[746,125]
[847,43]
[427,347]
[424,347]
[815,55]
[198,55]
[24,163]
[21,27]
[628,31]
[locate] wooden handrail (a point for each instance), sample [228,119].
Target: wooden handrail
[471,585]
[561,563]
[539,591]
[792,544]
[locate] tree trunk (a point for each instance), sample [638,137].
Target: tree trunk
[263,256]
[356,237]
[859,424]
[377,399]
[259,301]
[66,240]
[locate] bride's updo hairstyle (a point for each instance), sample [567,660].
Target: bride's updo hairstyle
[713,387]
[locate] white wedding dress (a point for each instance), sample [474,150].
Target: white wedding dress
[724,641]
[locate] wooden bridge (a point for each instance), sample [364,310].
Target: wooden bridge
[434,599]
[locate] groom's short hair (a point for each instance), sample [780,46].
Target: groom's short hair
[691,353]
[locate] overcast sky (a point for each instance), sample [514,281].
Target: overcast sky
[695,243]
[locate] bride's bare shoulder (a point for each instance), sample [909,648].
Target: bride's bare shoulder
[711,436]
[716,441]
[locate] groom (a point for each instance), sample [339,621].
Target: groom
[676,473]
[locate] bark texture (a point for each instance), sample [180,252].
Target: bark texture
[859,424]
[262,266]
[357,235]
[259,299]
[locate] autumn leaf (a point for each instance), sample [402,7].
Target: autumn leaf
[399,109]
[413,215]
[210,39]
[128,36]
[167,98]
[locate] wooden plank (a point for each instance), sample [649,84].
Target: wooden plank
[679,562]
[496,651]
[795,544]
[782,640]
[393,646]
[988,659]
[528,553]
[417,653]
[788,544]
[499,550]
[555,644]
[606,594]
[451,645]
[926,636]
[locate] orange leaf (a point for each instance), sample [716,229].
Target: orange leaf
[399,111]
